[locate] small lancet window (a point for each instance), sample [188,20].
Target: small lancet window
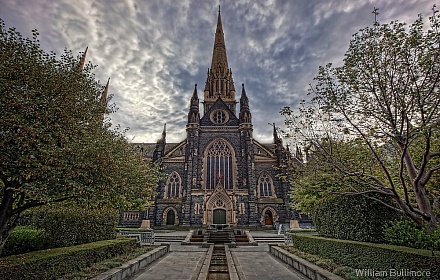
[172,188]
[265,185]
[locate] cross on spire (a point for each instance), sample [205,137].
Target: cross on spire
[376,13]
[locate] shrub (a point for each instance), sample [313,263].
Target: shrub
[73,225]
[362,255]
[24,240]
[354,217]
[53,263]
[406,233]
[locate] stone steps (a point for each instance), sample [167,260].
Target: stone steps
[269,239]
[169,238]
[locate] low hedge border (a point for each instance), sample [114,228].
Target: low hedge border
[135,265]
[370,257]
[53,263]
[308,269]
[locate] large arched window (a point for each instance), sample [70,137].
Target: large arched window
[172,187]
[219,165]
[265,185]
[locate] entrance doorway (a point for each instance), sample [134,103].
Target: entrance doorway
[170,217]
[268,219]
[219,216]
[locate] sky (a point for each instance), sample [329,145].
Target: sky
[155,51]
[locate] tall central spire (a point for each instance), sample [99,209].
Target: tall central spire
[219,83]
[219,57]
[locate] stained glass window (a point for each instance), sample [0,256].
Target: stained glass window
[219,162]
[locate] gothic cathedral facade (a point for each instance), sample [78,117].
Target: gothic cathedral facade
[220,174]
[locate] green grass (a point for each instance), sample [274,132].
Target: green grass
[107,264]
[422,252]
[302,230]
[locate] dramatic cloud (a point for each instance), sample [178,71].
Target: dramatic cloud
[155,51]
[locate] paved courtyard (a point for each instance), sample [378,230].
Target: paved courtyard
[185,262]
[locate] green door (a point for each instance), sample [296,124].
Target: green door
[170,217]
[219,216]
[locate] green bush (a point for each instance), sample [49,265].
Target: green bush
[54,263]
[73,225]
[363,255]
[406,233]
[24,240]
[354,217]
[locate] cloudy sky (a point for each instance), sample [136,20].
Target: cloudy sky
[156,50]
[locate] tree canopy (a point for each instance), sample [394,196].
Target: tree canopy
[372,125]
[54,145]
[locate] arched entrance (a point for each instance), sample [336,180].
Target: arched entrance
[219,208]
[170,218]
[268,218]
[219,216]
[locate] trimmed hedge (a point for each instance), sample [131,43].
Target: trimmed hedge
[25,239]
[362,255]
[406,233]
[73,225]
[354,217]
[54,263]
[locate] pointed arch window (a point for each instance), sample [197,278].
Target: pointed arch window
[219,165]
[172,187]
[265,185]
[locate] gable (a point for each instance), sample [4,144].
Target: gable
[176,151]
[262,151]
[219,111]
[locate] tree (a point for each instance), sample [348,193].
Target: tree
[53,144]
[372,125]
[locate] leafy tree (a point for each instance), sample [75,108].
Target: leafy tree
[53,144]
[372,125]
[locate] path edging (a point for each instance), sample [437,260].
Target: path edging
[306,268]
[135,265]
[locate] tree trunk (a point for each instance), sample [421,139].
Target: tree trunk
[423,202]
[8,221]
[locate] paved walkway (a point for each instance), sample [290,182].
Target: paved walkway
[184,262]
[256,263]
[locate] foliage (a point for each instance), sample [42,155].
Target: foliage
[53,263]
[24,240]
[354,217]
[373,124]
[67,225]
[107,264]
[406,233]
[53,144]
[362,255]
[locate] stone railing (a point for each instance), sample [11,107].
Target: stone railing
[143,237]
[288,238]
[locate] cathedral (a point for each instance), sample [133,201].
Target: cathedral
[219,174]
